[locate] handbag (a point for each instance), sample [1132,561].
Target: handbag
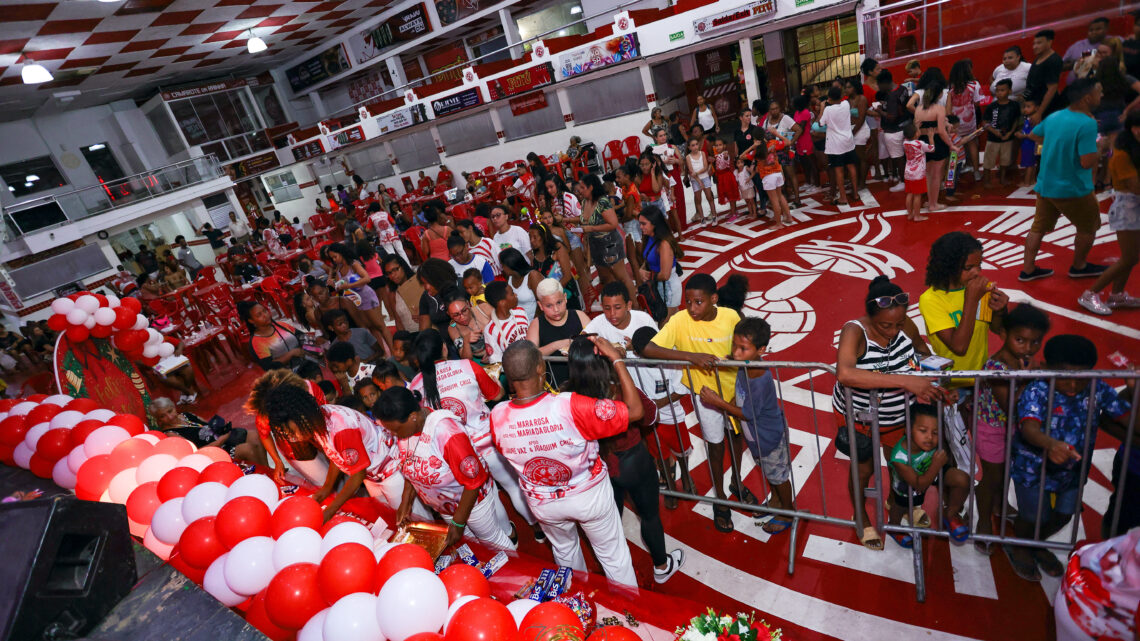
[654,302]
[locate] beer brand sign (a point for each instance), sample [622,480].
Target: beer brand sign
[732,17]
[521,82]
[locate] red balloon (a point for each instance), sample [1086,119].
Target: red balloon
[551,621]
[175,483]
[130,453]
[6,452]
[13,429]
[142,502]
[461,579]
[57,322]
[295,511]
[54,444]
[401,557]
[101,298]
[37,398]
[129,341]
[179,563]
[40,466]
[7,404]
[482,620]
[259,618]
[101,331]
[133,424]
[82,430]
[224,473]
[123,318]
[347,568]
[42,413]
[93,478]
[425,636]
[132,304]
[77,333]
[200,544]
[241,518]
[82,405]
[610,633]
[176,446]
[215,454]
[293,596]
[151,361]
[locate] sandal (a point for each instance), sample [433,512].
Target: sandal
[958,530]
[871,539]
[743,494]
[670,502]
[722,518]
[778,525]
[919,518]
[1048,562]
[1024,569]
[904,540]
[984,547]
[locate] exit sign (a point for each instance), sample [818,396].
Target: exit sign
[800,3]
[680,35]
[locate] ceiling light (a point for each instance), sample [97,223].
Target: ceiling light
[108,1]
[27,184]
[573,10]
[97,147]
[31,178]
[255,44]
[11,188]
[34,73]
[562,32]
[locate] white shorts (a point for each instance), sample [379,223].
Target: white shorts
[894,144]
[773,181]
[712,422]
[672,290]
[863,135]
[883,155]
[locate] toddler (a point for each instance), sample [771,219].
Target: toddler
[473,285]
[744,173]
[915,149]
[726,189]
[1027,158]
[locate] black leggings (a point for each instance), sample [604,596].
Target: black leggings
[637,477]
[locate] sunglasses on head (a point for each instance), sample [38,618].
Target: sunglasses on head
[890,301]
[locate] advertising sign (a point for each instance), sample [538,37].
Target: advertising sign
[402,27]
[202,90]
[717,21]
[456,102]
[311,149]
[600,54]
[529,102]
[346,137]
[455,10]
[521,81]
[448,56]
[253,165]
[317,69]
[400,118]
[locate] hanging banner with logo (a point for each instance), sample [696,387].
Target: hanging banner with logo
[521,81]
[346,137]
[317,69]
[449,56]
[600,54]
[401,118]
[528,103]
[734,17]
[201,90]
[455,10]
[253,165]
[402,27]
[94,369]
[719,85]
[311,149]
[457,102]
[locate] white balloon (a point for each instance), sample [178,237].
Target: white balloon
[215,583]
[58,399]
[112,301]
[249,568]
[353,618]
[62,305]
[87,303]
[347,532]
[32,438]
[22,455]
[99,415]
[154,466]
[313,630]
[122,484]
[153,336]
[66,419]
[149,351]
[167,522]
[20,409]
[518,609]
[76,458]
[152,543]
[297,545]
[62,474]
[77,316]
[165,349]
[149,438]
[204,499]
[459,603]
[104,316]
[197,461]
[380,547]
[141,322]
[260,487]
[90,322]
[104,439]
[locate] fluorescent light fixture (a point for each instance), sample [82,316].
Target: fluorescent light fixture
[575,10]
[34,73]
[97,147]
[31,178]
[255,44]
[10,188]
[562,32]
[110,1]
[27,184]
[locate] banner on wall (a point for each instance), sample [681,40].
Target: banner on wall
[457,102]
[734,17]
[201,90]
[455,10]
[346,137]
[401,118]
[366,87]
[402,27]
[450,56]
[253,165]
[528,103]
[600,54]
[719,84]
[317,69]
[522,81]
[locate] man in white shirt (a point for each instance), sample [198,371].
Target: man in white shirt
[839,144]
[1013,67]
[239,229]
[507,235]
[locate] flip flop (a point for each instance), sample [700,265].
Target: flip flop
[871,539]
[722,515]
[919,518]
[904,540]
[1047,562]
[984,547]
[958,530]
[780,524]
[1026,570]
[743,494]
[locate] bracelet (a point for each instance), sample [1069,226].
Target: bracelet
[458,525]
[620,360]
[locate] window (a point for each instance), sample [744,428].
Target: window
[415,151]
[554,19]
[532,123]
[102,162]
[283,187]
[623,91]
[827,49]
[467,134]
[215,116]
[371,163]
[32,176]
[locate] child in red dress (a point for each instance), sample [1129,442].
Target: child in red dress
[726,189]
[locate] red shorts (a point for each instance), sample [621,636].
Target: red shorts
[667,435]
[916,186]
[727,191]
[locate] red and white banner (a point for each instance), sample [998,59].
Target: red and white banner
[528,103]
[521,81]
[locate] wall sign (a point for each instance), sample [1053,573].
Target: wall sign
[522,81]
[457,102]
[676,35]
[253,165]
[600,54]
[455,10]
[346,137]
[402,27]
[317,69]
[311,149]
[716,21]
[202,90]
[400,118]
[528,103]
[449,56]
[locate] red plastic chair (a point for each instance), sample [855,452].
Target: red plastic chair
[208,274]
[631,147]
[508,166]
[612,155]
[275,294]
[413,236]
[580,166]
[487,171]
[899,26]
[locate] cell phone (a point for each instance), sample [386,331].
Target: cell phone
[935,363]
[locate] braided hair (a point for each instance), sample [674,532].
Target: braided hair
[286,403]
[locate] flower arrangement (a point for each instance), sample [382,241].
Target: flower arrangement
[711,626]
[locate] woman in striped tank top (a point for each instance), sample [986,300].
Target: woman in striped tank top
[874,351]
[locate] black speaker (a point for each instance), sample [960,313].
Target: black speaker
[64,564]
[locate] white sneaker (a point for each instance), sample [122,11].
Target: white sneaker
[898,187]
[1122,300]
[673,563]
[1092,302]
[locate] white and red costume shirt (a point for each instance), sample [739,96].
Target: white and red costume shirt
[916,151]
[355,443]
[487,250]
[464,389]
[552,441]
[441,463]
[382,223]
[499,334]
[261,422]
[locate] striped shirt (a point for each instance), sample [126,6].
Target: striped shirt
[499,334]
[486,250]
[898,356]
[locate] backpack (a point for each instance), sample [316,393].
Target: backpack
[652,300]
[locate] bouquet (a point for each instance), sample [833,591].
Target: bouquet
[717,627]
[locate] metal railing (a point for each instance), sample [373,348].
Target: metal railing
[99,199]
[806,377]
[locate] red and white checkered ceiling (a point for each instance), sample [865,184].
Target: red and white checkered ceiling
[114,50]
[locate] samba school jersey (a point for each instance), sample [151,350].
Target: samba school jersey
[355,442]
[441,463]
[552,441]
[464,389]
[499,334]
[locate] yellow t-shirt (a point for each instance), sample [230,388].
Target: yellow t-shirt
[703,337]
[943,310]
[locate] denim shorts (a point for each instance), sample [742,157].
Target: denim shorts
[1063,502]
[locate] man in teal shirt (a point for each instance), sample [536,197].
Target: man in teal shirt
[1064,180]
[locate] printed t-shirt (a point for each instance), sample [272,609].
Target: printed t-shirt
[943,310]
[1001,117]
[714,337]
[918,460]
[916,151]
[486,251]
[440,463]
[385,231]
[464,389]
[477,263]
[356,443]
[515,236]
[771,163]
[499,334]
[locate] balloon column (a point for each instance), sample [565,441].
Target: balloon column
[85,315]
[272,558]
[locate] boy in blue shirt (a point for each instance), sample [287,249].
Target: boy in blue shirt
[1056,435]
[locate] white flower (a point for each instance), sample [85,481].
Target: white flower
[693,635]
[726,621]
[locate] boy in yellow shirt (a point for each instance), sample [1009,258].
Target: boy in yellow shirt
[702,334]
